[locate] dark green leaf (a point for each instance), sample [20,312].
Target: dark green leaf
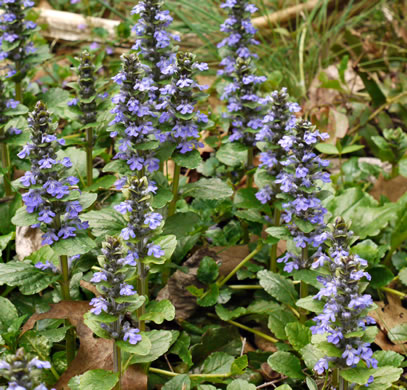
[190,160]
[381,276]
[181,224]
[94,380]
[104,222]
[298,335]
[208,270]
[142,348]
[287,364]
[209,189]
[239,365]
[158,311]
[311,354]
[177,383]
[226,315]
[78,245]
[181,348]
[210,298]
[160,344]
[161,198]
[278,287]
[26,277]
[277,322]
[240,384]
[232,154]
[218,363]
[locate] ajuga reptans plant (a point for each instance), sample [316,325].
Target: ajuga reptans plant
[346,307]
[23,371]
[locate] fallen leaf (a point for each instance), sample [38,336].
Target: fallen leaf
[28,240]
[388,316]
[393,189]
[93,353]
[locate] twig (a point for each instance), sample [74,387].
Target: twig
[168,362]
[284,15]
[272,383]
[243,345]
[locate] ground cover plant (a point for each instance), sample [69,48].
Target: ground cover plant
[203,196]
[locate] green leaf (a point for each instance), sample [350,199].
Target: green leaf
[279,232]
[38,345]
[94,380]
[327,148]
[232,154]
[226,315]
[357,375]
[4,240]
[190,160]
[355,205]
[158,311]
[311,354]
[104,222]
[398,334]
[87,199]
[55,335]
[161,198]
[311,383]
[93,323]
[298,335]
[26,277]
[118,166]
[240,384]
[218,363]
[208,270]
[181,348]
[368,250]
[383,377]
[311,304]
[278,287]
[104,182]
[168,244]
[177,383]
[352,148]
[160,344]
[388,358]
[287,364]
[403,276]
[239,365]
[277,322]
[181,224]
[22,218]
[381,276]
[246,198]
[210,297]
[78,245]
[142,348]
[8,313]
[284,387]
[208,189]
[329,349]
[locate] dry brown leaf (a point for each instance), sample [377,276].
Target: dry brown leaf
[393,189]
[94,353]
[263,344]
[28,240]
[387,317]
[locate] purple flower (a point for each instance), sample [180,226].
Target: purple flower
[127,289]
[153,220]
[99,304]
[131,334]
[155,250]
[98,277]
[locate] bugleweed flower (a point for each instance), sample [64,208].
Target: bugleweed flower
[142,221]
[243,102]
[154,42]
[278,122]
[181,122]
[298,181]
[240,32]
[49,187]
[346,306]
[133,121]
[23,372]
[87,89]
[7,104]
[117,293]
[15,34]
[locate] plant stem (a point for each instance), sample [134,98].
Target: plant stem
[117,357]
[394,170]
[249,166]
[170,373]
[142,290]
[244,327]
[220,283]
[303,285]
[89,156]
[273,251]
[19,92]
[245,287]
[6,164]
[66,296]
[394,292]
[175,185]
[343,384]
